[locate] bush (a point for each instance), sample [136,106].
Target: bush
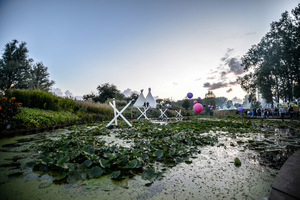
[42,100]
[33,118]
[8,109]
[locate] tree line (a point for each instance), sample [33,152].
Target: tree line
[19,71]
[273,65]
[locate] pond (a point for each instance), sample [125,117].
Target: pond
[211,174]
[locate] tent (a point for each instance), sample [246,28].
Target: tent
[140,101]
[150,99]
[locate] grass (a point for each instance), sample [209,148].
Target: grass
[33,118]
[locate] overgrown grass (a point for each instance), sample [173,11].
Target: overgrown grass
[34,118]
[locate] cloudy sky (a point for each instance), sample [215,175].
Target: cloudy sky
[172,46]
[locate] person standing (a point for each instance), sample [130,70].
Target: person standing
[291,112]
[282,112]
[272,111]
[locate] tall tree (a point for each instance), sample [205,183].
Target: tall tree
[14,66]
[273,65]
[39,78]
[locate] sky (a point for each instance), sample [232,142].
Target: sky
[172,46]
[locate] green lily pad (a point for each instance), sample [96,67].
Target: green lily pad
[115,174]
[158,153]
[104,163]
[87,163]
[132,164]
[62,161]
[237,162]
[95,172]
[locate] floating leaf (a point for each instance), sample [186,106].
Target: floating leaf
[104,163]
[158,153]
[149,174]
[132,164]
[62,161]
[237,162]
[178,160]
[115,174]
[87,163]
[95,172]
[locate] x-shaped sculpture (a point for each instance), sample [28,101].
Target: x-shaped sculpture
[117,114]
[143,113]
[178,116]
[163,115]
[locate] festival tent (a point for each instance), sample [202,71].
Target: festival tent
[150,99]
[232,108]
[140,101]
[224,108]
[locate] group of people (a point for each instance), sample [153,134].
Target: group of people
[274,112]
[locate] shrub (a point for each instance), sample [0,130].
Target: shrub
[42,100]
[8,109]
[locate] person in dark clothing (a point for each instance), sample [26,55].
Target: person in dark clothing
[291,112]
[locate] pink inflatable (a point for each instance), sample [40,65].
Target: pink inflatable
[198,107]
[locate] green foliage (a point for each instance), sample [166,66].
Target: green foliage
[237,162]
[81,154]
[275,61]
[186,104]
[105,91]
[39,79]
[8,109]
[30,118]
[14,66]
[17,71]
[42,100]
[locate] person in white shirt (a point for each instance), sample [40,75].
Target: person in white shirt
[282,112]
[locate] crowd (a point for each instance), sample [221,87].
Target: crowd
[273,112]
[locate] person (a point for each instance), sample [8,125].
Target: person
[276,111]
[262,112]
[267,113]
[282,112]
[258,112]
[272,112]
[291,112]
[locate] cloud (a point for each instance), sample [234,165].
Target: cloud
[211,78]
[128,92]
[79,98]
[175,83]
[237,100]
[57,92]
[229,90]
[227,54]
[214,86]
[68,94]
[235,66]
[218,85]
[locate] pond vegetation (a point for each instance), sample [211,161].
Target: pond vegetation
[214,158]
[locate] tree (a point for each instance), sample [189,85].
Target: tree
[186,104]
[105,91]
[220,101]
[273,65]
[39,78]
[14,66]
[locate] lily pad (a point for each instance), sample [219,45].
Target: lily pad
[95,172]
[237,162]
[158,153]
